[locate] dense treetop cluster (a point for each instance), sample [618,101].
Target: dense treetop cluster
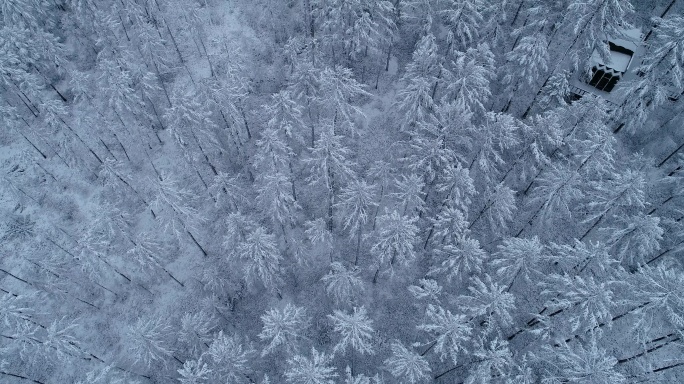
[339,192]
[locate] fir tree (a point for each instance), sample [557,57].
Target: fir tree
[500,132]
[358,379]
[580,363]
[406,365]
[285,115]
[339,90]
[343,284]
[460,260]
[262,258]
[355,201]
[355,329]
[500,207]
[396,236]
[463,17]
[660,288]
[452,332]
[283,328]
[147,337]
[469,76]
[410,194]
[273,154]
[494,359]
[314,370]
[194,372]
[594,19]
[330,164]
[557,192]
[556,92]
[635,237]
[416,99]
[228,359]
[274,198]
[518,256]
[591,301]
[426,289]
[530,59]
[661,74]
[489,300]
[196,330]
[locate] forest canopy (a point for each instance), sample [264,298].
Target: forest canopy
[341,191]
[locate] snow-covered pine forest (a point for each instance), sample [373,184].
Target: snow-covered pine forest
[340,191]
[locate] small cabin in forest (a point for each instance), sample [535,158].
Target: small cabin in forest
[603,76]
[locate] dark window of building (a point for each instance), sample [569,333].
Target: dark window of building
[603,78]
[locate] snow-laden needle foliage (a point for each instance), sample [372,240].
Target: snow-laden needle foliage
[341,191]
[283,329]
[407,366]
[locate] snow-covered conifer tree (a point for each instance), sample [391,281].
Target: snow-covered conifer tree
[283,329]
[426,289]
[190,125]
[314,370]
[339,92]
[662,74]
[464,18]
[499,208]
[356,200]
[452,332]
[460,259]
[410,194]
[580,363]
[489,300]
[175,206]
[305,85]
[194,372]
[196,330]
[343,284]
[228,190]
[395,239]
[262,258]
[355,329]
[274,198]
[60,339]
[148,343]
[661,289]
[407,365]
[576,257]
[359,379]
[528,61]
[468,77]
[116,84]
[372,27]
[273,154]
[285,115]
[228,359]
[635,237]
[556,92]
[557,191]
[456,182]
[589,302]
[624,191]
[416,99]
[450,225]
[494,359]
[330,164]
[594,19]
[500,132]
[518,256]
